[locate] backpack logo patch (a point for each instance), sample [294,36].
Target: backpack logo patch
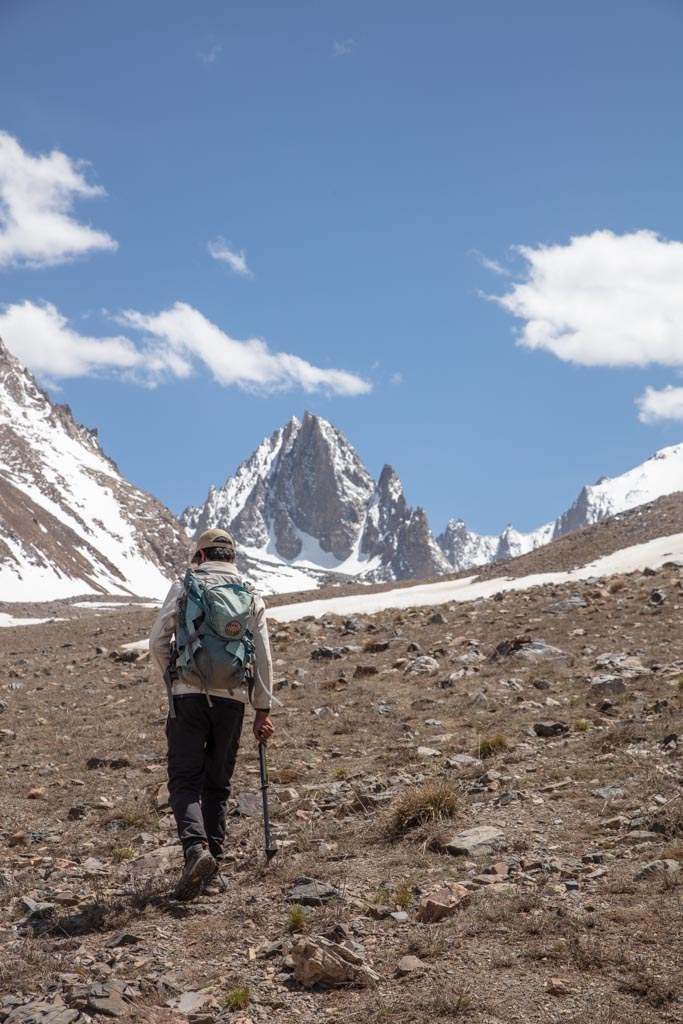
[233,628]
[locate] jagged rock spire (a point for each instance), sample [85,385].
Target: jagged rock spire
[305,497]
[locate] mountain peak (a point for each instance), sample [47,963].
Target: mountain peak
[9,358]
[304,503]
[389,486]
[660,474]
[69,522]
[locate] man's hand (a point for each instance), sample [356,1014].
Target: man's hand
[263,726]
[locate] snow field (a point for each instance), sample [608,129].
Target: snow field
[653,553]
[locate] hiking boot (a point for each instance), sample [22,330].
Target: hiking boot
[216,885]
[199,867]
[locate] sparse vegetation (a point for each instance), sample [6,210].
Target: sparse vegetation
[133,818]
[403,894]
[488,746]
[360,783]
[31,964]
[423,804]
[655,988]
[296,918]
[238,998]
[121,853]
[381,895]
[430,943]
[453,1001]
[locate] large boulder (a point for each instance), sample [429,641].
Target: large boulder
[442,903]
[475,842]
[321,962]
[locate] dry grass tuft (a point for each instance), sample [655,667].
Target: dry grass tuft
[296,918]
[674,851]
[670,818]
[238,998]
[488,746]
[453,1002]
[420,805]
[403,894]
[655,989]
[421,1003]
[430,943]
[32,965]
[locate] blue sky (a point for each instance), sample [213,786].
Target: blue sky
[369,172]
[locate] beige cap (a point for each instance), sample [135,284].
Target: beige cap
[213,539]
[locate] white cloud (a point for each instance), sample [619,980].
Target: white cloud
[606,300]
[343,47]
[666,404]
[490,264]
[183,334]
[37,194]
[603,300]
[171,344]
[43,340]
[237,261]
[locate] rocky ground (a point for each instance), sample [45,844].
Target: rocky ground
[479,811]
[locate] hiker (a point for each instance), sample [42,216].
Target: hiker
[210,679]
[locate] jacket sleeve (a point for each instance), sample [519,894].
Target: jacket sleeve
[164,628]
[263,670]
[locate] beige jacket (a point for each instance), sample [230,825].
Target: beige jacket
[164,630]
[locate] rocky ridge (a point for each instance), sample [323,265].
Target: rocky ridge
[660,475]
[306,512]
[304,509]
[304,505]
[70,523]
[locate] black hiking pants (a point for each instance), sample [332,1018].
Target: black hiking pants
[203,741]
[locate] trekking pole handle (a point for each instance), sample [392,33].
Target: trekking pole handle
[263,764]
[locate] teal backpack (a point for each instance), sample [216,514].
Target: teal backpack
[212,639]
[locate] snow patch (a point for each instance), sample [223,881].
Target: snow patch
[653,553]
[10,621]
[116,604]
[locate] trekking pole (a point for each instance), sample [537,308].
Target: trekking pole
[271,849]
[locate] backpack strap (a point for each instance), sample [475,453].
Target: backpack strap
[195,638]
[193,617]
[170,675]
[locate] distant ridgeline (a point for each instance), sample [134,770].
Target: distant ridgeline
[303,508]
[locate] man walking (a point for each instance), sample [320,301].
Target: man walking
[220,659]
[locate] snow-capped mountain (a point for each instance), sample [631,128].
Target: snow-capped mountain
[465,549]
[659,475]
[70,524]
[303,507]
[304,511]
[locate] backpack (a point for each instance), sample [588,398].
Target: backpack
[212,638]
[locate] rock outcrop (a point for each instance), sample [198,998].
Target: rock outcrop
[304,506]
[659,475]
[70,523]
